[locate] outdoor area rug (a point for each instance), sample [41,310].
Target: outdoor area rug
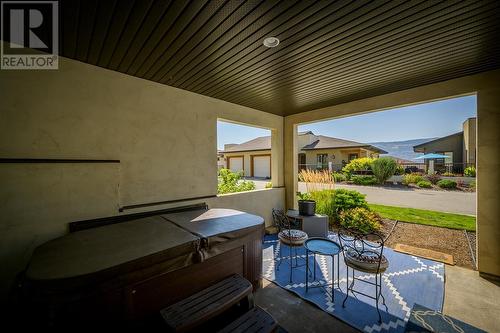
[407,281]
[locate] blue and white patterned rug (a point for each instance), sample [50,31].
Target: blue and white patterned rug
[407,281]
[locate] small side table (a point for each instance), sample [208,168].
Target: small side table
[313,226]
[325,247]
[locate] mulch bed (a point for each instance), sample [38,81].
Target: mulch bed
[434,238]
[449,241]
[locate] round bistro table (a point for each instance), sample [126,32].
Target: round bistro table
[324,247]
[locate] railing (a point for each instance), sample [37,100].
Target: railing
[439,167]
[456,168]
[321,166]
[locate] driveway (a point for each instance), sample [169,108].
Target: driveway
[442,201]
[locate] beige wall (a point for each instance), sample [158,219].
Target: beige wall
[487,86]
[336,156]
[165,139]
[488,179]
[469,153]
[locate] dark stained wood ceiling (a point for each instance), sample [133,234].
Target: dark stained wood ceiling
[330,52]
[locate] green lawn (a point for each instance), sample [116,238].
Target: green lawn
[427,217]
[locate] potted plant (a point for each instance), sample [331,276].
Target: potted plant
[307,206]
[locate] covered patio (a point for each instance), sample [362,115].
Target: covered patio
[127,123]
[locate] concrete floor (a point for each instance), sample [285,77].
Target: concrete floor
[472,299]
[296,315]
[468,297]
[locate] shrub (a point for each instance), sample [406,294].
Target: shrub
[424,184]
[447,183]
[448,174]
[325,203]
[358,164]
[348,199]
[434,178]
[332,202]
[230,182]
[383,168]
[364,180]
[360,219]
[470,171]
[412,178]
[400,170]
[269,185]
[339,177]
[472,184]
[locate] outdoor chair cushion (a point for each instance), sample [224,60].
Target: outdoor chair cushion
[293,237]
[365,262]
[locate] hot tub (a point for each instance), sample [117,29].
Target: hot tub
[128,271]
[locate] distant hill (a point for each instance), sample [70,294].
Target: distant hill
[401,149]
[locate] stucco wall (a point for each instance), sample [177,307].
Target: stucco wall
[470,147]
[487,86]
[165,139]
[453,143]
[336,156]
[488,179]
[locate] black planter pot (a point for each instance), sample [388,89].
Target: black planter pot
[307,207]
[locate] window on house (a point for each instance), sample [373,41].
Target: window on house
[322,161]
[353,157]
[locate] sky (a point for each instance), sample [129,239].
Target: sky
[428,120]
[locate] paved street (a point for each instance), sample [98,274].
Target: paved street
[443,201]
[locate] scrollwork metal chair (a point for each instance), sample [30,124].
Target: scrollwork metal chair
[364,253]
[293,238]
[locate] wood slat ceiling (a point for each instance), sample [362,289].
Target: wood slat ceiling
[330,52]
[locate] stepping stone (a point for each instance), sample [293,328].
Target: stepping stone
[425,253]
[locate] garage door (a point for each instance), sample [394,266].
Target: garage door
[262,166]
[235,164]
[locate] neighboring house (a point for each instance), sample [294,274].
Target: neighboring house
[314,152]
[460,147]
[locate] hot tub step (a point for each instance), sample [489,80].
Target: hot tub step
[199,308]
[255,320]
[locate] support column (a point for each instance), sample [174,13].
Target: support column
[291,163]
[488,181]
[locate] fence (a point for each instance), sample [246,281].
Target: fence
[439,167]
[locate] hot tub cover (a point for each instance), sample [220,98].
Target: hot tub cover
[216,225]
[111,249]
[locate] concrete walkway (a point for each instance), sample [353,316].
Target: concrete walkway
[442,201]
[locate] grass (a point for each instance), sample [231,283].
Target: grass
[426,217]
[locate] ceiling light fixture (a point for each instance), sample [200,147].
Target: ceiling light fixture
[271,42]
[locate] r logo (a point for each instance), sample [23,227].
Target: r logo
[30,34]
[17,26]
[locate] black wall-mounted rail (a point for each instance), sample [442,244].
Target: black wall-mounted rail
[99,222]
[53,160]
[157,203]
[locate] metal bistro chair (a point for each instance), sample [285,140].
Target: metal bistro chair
[293,238]
[364,253]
